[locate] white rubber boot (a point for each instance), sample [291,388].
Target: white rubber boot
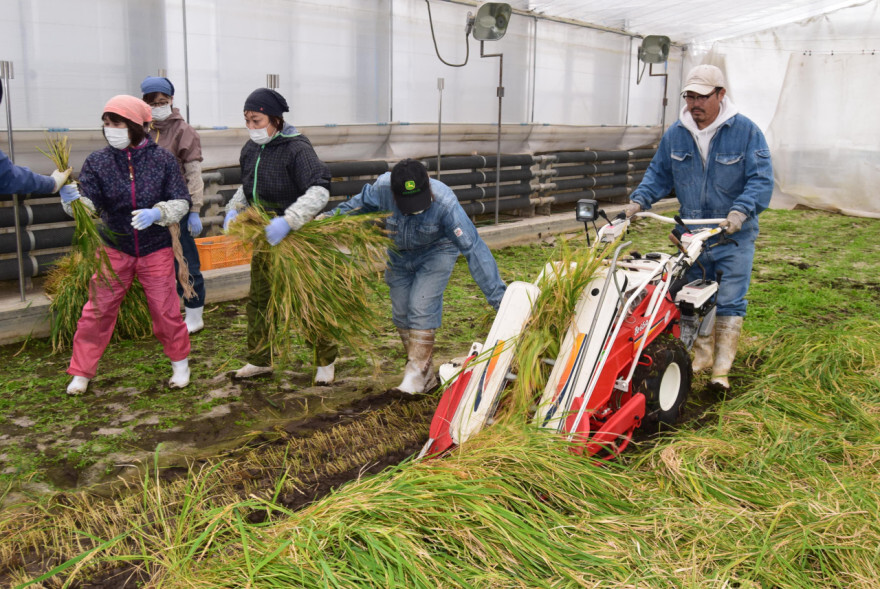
[324,375]
[727,331]
[250,370]
[180,374]
[704,352]
[193,320]
[419,376]
[78,385]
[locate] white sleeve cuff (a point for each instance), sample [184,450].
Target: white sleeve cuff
[306,207]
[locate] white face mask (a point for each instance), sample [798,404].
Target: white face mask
[160,113]
[260,136]
[117,138]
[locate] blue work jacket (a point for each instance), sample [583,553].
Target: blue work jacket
[737,174]
[20,180]
[442,224]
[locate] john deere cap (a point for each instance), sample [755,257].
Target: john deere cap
[411,186]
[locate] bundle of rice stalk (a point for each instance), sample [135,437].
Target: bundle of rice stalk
[68,283]
[321,277]
[562,283]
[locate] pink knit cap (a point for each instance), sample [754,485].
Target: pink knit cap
[131,108]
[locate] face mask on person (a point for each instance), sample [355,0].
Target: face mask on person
[117,138]
[160,113]
[260,136]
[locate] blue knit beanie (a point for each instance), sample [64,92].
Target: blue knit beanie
[153,84]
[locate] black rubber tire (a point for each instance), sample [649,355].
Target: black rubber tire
[666,383]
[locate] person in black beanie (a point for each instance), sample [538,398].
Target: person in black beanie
[280,172]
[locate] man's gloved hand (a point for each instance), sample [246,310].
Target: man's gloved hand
[229,218]
[322,216]
[194,222]
[143,218]
[69,193]
[60,178]
[631,209]
[733,222]
[277,230]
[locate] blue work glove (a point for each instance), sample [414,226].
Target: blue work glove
[69,193]
[143,218]
[230,217]
[277,230]
[195,224]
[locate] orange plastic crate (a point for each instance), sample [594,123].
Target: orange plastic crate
[222,251]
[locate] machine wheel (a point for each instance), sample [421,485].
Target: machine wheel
[664,376]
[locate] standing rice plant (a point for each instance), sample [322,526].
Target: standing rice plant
[321,276]
[68,282]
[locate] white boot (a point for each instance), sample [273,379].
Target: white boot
[194,320]
[249,370]
[419,377]
[324,375]
[180,374]
[704,352]
[78,385]
[727,331]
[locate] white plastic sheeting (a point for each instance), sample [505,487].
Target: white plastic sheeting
[811,87]
[349,63]
[685,21]
[829,162]
[339,62]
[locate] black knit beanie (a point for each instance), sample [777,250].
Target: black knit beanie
[269,102]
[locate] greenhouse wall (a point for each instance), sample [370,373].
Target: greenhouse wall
[341,63]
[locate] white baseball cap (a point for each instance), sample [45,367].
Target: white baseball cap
[703,79]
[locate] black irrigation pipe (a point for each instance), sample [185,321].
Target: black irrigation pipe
[507,204]
[41,239]
[29,214]
[480,177]
[589,169]
[570,157]
[33,265]
[591,181]
[465,162]
[471,177]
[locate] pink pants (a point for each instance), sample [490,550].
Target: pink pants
[95,327]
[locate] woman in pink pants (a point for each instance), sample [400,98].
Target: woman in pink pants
[137,188]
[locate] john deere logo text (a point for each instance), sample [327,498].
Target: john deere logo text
[410,185]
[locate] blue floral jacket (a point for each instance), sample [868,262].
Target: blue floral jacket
[118,181]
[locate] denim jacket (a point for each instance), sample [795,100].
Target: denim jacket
[443,224]
[737,176]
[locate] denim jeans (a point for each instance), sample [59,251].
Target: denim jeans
[191,254]
[417,279]
[735,264]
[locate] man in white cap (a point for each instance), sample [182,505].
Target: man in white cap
[718,163]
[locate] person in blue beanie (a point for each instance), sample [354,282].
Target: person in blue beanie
[170,131]
[20,180]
